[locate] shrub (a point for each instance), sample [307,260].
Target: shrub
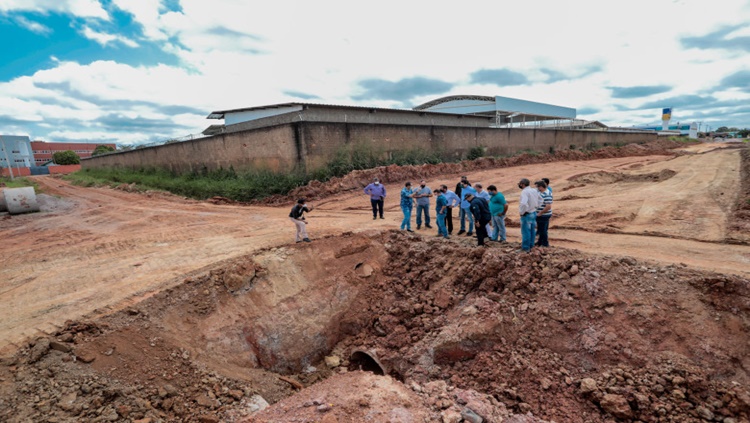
[475,153]
[67,157]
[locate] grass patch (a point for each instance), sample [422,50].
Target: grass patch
[245,186]
[199,185]
[18,182]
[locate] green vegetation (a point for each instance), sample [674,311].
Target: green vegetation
[475,153]
[364,156]
[201,185]
[101,149]
[18,182]
[67,157]
[248,185]
[592,146]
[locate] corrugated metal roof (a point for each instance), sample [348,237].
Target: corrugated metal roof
[219,114]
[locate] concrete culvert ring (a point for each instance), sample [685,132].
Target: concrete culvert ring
[366,361]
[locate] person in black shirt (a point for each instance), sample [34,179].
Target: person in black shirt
[298,218]
[480,209]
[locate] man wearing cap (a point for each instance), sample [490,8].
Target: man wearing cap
[480,210]
[529,202]
[376,191]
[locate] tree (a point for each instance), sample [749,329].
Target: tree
[68,157]
[722,129]
[101,149]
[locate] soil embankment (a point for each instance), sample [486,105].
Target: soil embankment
[558,334]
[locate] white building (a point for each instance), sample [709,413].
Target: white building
[15,151]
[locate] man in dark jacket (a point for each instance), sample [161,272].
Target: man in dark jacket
[480,209]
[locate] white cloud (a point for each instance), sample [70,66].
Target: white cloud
[235,54]
[79,8]
[103,38]
[32,26]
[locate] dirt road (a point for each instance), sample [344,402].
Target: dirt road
[94,250]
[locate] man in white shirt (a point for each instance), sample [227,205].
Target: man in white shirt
[530,201]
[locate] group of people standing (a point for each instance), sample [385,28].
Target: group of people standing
[480,211]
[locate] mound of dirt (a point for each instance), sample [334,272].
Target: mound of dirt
[613,177]
[394,173]
[530,330]
[464,332]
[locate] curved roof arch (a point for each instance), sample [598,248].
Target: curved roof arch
[449,98]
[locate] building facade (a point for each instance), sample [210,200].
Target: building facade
[43,150]
[15,151]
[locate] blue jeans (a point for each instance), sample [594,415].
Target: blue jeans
[426,209]
[542,224]
[498,228]
[406,223]
[442,230]
[528,230]
[466,214]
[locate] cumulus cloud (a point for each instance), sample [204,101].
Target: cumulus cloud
[740,79]
[638,91]
[104,39]
[79,8]
[733,37]
[401,90]
[554,75]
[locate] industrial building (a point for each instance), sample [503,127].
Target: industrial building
[504,111]
[306,137]
[15,151]
[457,110]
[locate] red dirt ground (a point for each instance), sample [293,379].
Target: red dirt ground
[207,308]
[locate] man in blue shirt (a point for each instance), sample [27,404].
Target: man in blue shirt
[466,189]
[423,195]
[376,191]
[407,204]
[453,202]
[441,207]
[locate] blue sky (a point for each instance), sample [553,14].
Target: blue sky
[136,72]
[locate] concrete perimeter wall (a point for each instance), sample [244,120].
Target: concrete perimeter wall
[311,145]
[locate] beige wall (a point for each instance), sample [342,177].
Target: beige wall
[310,145]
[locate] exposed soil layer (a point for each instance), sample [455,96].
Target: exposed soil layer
[555,335]
[739,225]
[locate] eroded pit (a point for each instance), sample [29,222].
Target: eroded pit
[460,332]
